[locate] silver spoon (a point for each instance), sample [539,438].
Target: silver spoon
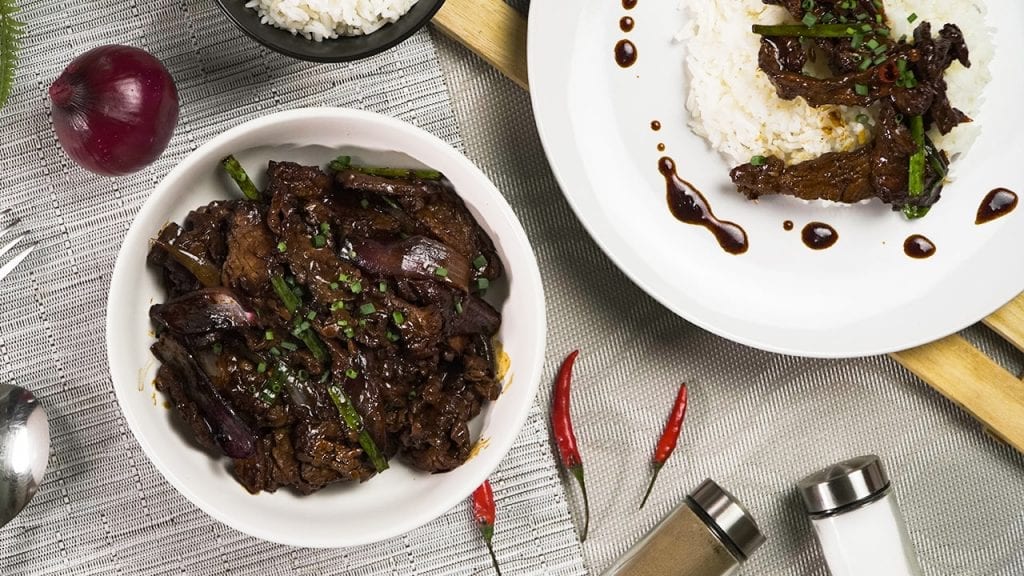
[24,449]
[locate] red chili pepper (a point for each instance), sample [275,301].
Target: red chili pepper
[667,443]
[483,513]
[565,438]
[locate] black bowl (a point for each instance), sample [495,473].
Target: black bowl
[342,49]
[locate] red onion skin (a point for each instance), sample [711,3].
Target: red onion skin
[114,109]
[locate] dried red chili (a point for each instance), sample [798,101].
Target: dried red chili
[484,512]
[565,438]
[669,437]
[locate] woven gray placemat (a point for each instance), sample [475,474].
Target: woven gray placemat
[103,508]
[758,421]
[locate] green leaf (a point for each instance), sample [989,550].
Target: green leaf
[10,34]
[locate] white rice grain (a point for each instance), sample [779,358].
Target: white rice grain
[324,19]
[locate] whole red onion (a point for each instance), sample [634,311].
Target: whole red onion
[114,109]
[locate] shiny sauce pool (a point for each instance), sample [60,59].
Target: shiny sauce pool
[625,53]
[819,236]
[688,205]
[919,247]
[626,24]
[997,204]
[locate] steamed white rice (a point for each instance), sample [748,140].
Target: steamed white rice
[320,19]
[734,105]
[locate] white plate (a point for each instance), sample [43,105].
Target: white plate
[399,499]
[863,296]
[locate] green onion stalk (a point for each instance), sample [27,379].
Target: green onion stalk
[342,163]
[238,174]
[354,421]
[915,183]
[804,31]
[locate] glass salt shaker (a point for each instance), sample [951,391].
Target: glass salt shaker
[708,534]
[857,521]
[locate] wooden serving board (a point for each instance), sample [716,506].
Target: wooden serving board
[959,371]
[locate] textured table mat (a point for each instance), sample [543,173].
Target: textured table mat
[758,421]
[103,508]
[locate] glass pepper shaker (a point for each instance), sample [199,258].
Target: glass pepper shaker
[708,534]
[857,521]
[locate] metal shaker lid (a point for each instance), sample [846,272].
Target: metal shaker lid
[728,517]
[844,484]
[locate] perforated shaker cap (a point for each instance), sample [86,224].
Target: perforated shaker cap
[728,518]
[844,485]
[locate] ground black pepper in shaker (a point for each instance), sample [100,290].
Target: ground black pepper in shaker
[708,534]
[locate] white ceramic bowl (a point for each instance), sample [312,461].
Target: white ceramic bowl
[399,499]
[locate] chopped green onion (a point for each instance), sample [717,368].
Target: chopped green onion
[483,284]
[311,315]
[340,163]
[861,89]
[319,241]
[325,228]
[261,367]
[269,334]
[334,285]
[480,262]
[758,160]
[398,317]
[912,17]
[383,286]
[352,373]
[281,246]
[217,348]
[458,306]
[356,287]
[809,20]
[337,305]
[367,309]
[289,346]
[441,271]
[391,336]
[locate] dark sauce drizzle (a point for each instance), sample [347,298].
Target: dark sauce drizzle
[661,146]
[787,225]
[688,205]
[626,24]
[997,204]
[819,236]
[919,247]
[655,125]
[625,53]
[629,4]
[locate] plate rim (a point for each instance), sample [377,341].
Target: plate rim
[543,98]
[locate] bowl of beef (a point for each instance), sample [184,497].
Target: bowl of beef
[325,327]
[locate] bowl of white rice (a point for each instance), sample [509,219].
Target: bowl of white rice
[330,30]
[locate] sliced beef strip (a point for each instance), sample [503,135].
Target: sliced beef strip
[329,445]
[251,251]
[877,170]
[295,179]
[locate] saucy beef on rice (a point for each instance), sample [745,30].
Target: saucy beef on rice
[902,79]
[353,288]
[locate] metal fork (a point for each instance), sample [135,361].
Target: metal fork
[8,247]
